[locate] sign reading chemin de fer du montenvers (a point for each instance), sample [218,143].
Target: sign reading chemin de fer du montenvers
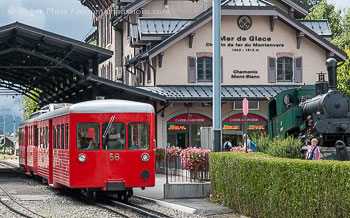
[247,43]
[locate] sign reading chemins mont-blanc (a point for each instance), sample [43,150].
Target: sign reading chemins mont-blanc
[247,43]
[244,74]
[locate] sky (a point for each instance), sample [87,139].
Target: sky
[65,17]
[339,4]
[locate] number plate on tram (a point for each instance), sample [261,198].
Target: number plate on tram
[114,157]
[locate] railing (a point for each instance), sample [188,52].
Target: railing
[185,166]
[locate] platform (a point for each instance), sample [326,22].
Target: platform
[188,205]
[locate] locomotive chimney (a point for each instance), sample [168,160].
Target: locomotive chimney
[331,64]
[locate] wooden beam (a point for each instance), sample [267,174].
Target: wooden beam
[272,22]
[291,12]
[300,36]
[190,37]
[330,54]
[160,59]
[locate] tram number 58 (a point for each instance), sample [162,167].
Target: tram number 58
[114,157]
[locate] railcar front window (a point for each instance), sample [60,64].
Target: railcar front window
[115,137]
[88,136]
[138,136]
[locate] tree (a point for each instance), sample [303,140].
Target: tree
[29,106]
[328,12]
[310,4]
[344,38]
[343,74]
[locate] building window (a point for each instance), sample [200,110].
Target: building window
[284,69]
[204,69]
[200,69]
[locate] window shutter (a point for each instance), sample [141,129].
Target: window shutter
[191,64]
[298,73]
[222,69]
[271,69]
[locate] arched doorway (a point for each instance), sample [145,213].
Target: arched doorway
[233,127]
[184,130]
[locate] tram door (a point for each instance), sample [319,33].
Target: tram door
[50,153]
[26,141]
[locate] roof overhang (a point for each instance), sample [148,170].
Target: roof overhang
[199,93]
[44,65]
[258,11]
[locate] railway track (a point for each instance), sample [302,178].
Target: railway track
[138,209]
[10,201]
[110,203]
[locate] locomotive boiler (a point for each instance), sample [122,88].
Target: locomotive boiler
[319,111]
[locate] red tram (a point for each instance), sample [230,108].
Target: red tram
[102,145]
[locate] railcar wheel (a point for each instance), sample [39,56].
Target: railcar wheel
[88,195]
[123,196]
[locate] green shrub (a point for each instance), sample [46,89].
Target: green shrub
[262,141]
[259,185]
[288,147]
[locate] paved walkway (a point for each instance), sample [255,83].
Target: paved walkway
[200,205]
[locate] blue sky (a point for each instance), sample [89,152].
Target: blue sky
[65,17]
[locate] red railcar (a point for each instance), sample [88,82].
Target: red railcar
[102,145]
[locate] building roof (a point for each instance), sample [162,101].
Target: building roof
[227,9]
[321,27]
[246,3]
[161,26]
[201,93]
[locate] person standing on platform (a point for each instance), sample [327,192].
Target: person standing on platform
[313,151]
[227,145]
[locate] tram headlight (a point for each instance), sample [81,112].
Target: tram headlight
[82,158]
[145,157]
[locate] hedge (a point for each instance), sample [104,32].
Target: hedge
[259,185]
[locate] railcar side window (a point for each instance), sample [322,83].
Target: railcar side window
[54,137]
[115,137]
[36,136]
[67,139]
[138,136]
[47,137]
[58,137]
[88,136]
[62,136]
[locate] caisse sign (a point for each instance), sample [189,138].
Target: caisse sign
[252,118]
[190,118]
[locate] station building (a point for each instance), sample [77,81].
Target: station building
[165,48]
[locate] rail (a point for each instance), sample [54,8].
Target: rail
[12,208]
